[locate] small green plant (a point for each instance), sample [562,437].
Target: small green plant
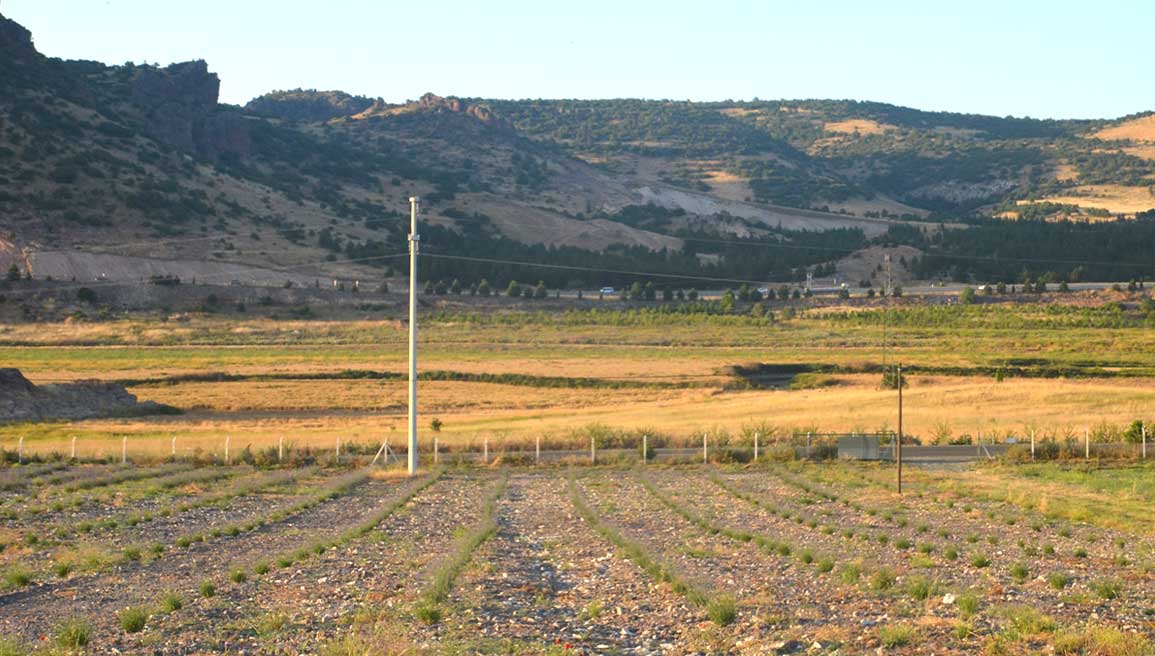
[968,604]
[238,576]
[1048,549]
[73,633]
[591,611]
[62,570]
[902,543]
[722,610]
[1020,572]
[17,576]
[850,573]
[1080,553]
[921,587]
[980,561]
[429,613]
[208,590]
[825,565]
[132,554]
[1107,588]
[133,619]
[261,568]
[1058,580]
[882,579]
[171,602]
[806,556]
[950,553]
[284,561]
[897,635]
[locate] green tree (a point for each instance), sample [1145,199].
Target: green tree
[692,295]
[428,287]
[540,291]
[483,287]
[636,291]
[649,292]
[513,290]
[1001,288]
[455,286]
[967,297]
[728,301]
[13,273]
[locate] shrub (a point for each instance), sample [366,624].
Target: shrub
[921,587]
[896,635]
[171,602]
[825,565]
[882,579]
[17,576]
[73,633]
[1058,580]
[850,573]
[262,568]
[429,613]
[722,610]
[1107,588]
[968,603]
[133,619]
[980,561]
[62,570]
[238,576]
[207,589]
[950,553]
[1019,572]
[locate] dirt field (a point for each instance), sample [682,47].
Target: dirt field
[757,559]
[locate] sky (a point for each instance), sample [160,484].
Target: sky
[1055,59]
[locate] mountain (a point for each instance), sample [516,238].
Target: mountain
[136,170]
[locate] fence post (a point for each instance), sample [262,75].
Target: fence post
[593,451]
[20,451]
[73,448]
[337,450]
[124,450]
[537,450]
[756,435]
[485,452]
[1087,441]
[281,450]
[705,450]
[228,460]
[1144,429]
[645,448]
[808,445]
[1032,444]
[979,443]
[173,449]
[436,456]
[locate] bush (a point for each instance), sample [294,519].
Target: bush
[1058,580]
[429,613]
[896,635]
[133,619]
[208,590]
[722,610]
[171,602]
[73,633]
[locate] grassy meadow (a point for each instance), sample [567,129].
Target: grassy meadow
[994,370]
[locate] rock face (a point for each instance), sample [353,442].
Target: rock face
[20,400]
[179,103]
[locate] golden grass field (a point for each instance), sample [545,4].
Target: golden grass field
[690,359]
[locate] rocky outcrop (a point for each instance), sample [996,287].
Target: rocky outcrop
[309,106]
[179,106]
[436,104]
[21,401]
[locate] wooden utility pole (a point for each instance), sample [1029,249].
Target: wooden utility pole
[898,440]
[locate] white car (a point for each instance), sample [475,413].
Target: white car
[606,290]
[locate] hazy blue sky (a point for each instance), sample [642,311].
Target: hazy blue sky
[1041,59]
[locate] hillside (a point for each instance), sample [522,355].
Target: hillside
[126,172]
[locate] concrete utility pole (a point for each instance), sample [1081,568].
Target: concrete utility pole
[414,241]
[898,441]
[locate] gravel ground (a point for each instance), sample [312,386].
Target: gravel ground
[547,582]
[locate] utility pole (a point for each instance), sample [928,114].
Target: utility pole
[898,441]
[414,241]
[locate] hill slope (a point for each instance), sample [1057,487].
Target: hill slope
[130,171]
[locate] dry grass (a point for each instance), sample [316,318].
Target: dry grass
[857,126]
[1138,129]
[1116,199]
[471,411]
